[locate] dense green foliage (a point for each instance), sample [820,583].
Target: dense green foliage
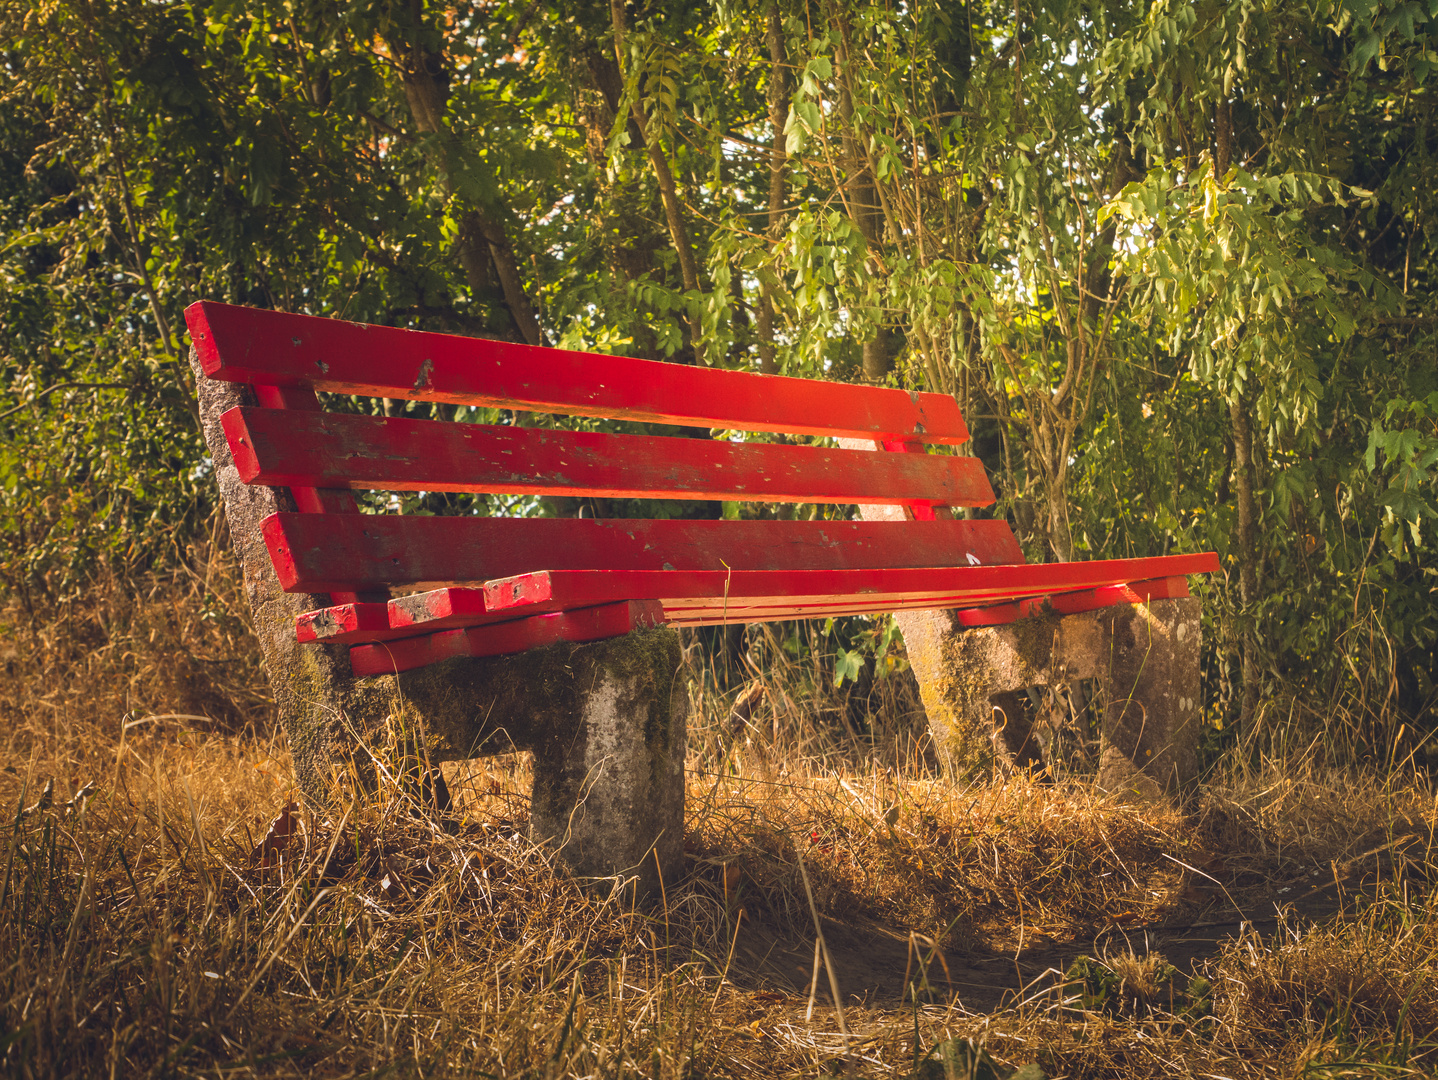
[1176,261]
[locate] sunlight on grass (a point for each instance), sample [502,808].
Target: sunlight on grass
[161,911]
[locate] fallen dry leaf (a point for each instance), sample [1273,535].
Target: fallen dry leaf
[390,886]
[277,838]
[77,801]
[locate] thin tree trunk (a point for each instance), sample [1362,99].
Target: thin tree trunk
[1060,531]
[625,216]
[778,112]
[668,191]
[506,267]
[1222,138]
[481,235]
[862,199]
[1243,477]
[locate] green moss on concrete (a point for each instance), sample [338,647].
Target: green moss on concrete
[958,688]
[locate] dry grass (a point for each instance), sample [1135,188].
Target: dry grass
[140,936]
[176,646]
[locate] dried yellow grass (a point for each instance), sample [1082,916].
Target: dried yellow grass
[140,937]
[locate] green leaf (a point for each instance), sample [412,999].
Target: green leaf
[847,665]
[1367,49]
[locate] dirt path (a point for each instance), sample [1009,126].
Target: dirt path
[873,962]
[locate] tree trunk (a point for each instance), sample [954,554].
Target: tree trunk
[481,235]
[506,267]
[778,113]
[863,203]
[668,190]
[1222,138]
[625,222]
[1060,531]
[1244,484]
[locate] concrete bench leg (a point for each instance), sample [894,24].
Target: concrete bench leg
[609,785]
[1152,718]
[1144,657]
[607,724]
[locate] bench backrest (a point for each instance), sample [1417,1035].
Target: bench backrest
[288,441]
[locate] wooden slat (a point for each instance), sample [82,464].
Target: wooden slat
[345,621]
[1134,592]
[690,613]
[1137,592]
[407,616]
[747,588]
[322,553]
[398,454]
[440,608]
[518,635]
[999,614]
[402,617]
[249,345]
[685,613]
[707,616]
[466,606]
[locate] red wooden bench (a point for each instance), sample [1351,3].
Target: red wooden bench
[405,592]
[494,585]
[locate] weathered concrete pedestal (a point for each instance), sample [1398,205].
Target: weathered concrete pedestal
[1144,658]
[605,720]
[607,724]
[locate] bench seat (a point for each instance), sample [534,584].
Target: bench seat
[707,598]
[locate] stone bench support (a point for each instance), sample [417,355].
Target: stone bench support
[1143,656]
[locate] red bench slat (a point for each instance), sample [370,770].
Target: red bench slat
[392,454]
[747,588]
[325,553]
[350,621]
[1136,592]
[518,635]
[705,597]
[246,345]
[439,607]
[780,612]
[781,608]
[345,621]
